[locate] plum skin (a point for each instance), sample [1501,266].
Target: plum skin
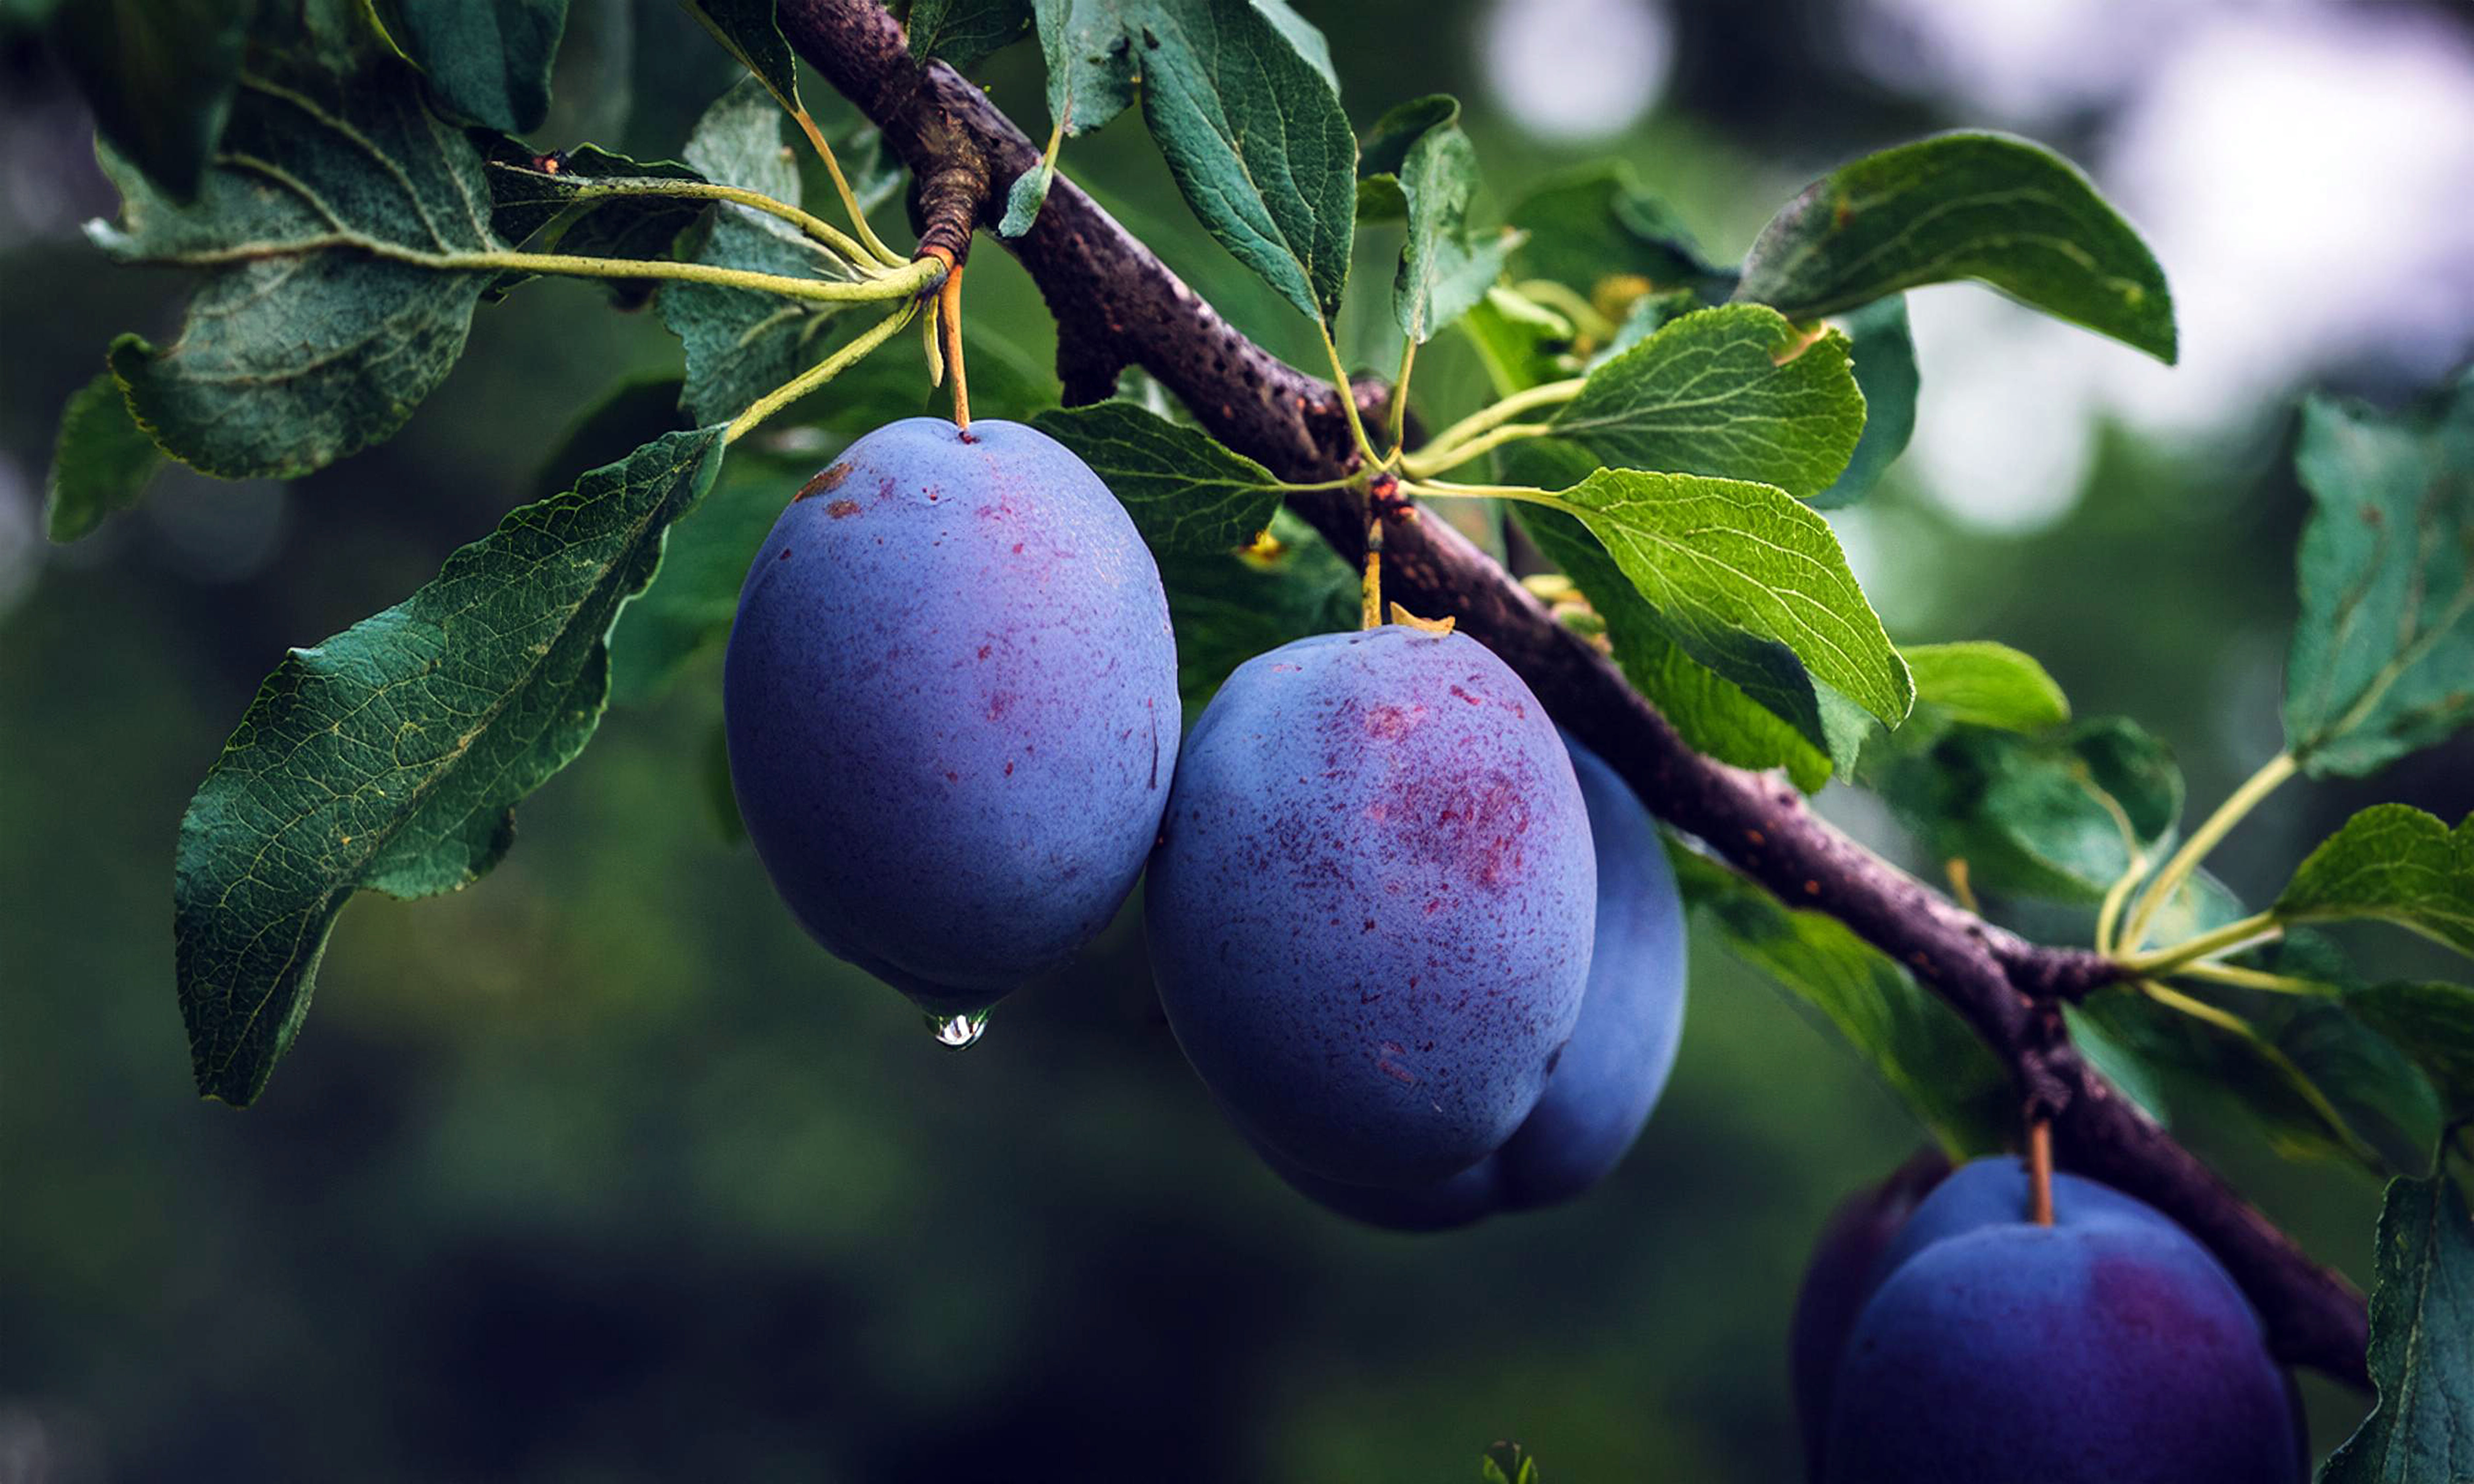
[1615,1068]
[1623,1048]
[1844,1271]
[951,704]
[2108,1347]
[1369,910]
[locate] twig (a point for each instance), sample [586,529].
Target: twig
[1117,305]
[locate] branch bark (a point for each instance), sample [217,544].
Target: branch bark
[1116,306]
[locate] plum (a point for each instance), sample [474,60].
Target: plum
[2107,1347]
[1611,1070]
[1840,1277]
[951,700]
[1632,1019]
[1371,908]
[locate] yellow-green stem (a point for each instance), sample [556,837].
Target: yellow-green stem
[1587,321]
[2239,803]
[1431,464]
[2255,929]
[904,282]
[2258,979]
[1348,398]
[815,227]
[2109,915]
[1400,399]
[1438,490]
[842,187]
[816,376]
[1504,411]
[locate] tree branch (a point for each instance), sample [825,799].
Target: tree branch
[1116,304]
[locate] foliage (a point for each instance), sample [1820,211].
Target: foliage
[2422,1308]
[344,184]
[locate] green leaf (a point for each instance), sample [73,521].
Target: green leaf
[694,598]
[2008,213]
[1522,342]
[1594,222]
[1186,491]
[1444,269]
[2028,813]
[1751,583]
[1920,1047]
[1986,685]
[962,33]
[101,463]
[1256,141]
[1649,313]
[390,757]
[593,205]
[159,75]
[741,344]
[1303,36]
[2393,862]
[1885,354]
[2119,1065]
[1732,392]
[751,30]
[2422,1310]
[2382,1096]
[488,61]
[334,230]
[1713,714]
[1227,607]
[2432,1023]
[2383,660]
[1097,49]
[2235,1061]
[1024,198]
[1508,1463]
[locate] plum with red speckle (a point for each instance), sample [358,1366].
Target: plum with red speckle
[951,701]
[1613,1069]
[2108,1348]
[1371,911]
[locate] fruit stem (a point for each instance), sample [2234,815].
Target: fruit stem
[948,305]
[2237,804]
[2040,1171]
[1961,891]
[1370,593]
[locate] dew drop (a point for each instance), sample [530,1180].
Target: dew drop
[959,1031]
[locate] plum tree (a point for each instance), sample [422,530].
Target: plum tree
[951,698]
[1839,1280]
[2106,1347]
[1370,911]
[1610,1072]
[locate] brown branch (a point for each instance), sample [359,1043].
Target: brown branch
[1116,306]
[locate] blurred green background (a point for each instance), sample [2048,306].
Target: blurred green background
[601,1171]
